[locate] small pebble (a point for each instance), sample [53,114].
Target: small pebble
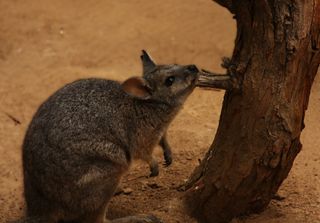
[127,190]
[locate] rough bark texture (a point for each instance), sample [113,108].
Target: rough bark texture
[276,57]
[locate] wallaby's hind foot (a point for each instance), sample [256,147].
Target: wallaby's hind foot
[97,216]
[33,220]
[138,219]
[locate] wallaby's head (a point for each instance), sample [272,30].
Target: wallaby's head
[170,84]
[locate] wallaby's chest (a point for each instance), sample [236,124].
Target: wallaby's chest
[146,141]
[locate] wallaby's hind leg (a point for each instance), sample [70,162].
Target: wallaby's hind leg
[166,149]
[138,219]
[39,210]
[98,216]
[33,220]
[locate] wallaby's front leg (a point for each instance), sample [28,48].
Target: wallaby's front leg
[154,167]
[166,149]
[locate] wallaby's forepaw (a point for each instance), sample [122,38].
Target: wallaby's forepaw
[167,161]
[154,168]
[154,171]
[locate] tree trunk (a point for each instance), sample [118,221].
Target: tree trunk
[275,60]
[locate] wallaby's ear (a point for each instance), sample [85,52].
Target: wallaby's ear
[137,87]
[147,62]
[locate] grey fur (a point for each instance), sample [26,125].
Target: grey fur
[84,137]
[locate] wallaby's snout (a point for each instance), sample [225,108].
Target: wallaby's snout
[192,69]
[193,73]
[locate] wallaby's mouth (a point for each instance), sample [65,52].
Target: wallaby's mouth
[193,78]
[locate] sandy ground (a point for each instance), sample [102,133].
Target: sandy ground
[45,44]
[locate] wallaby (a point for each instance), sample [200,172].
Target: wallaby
[84,137]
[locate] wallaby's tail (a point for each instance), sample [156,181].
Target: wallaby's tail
[129,219]
[138,219]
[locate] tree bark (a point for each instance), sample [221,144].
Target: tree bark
[275,60]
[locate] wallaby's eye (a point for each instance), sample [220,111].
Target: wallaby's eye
[169,81]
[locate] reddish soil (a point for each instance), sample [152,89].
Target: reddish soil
[45,44]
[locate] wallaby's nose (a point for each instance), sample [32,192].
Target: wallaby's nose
[192,69]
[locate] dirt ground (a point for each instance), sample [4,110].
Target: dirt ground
[45,44]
